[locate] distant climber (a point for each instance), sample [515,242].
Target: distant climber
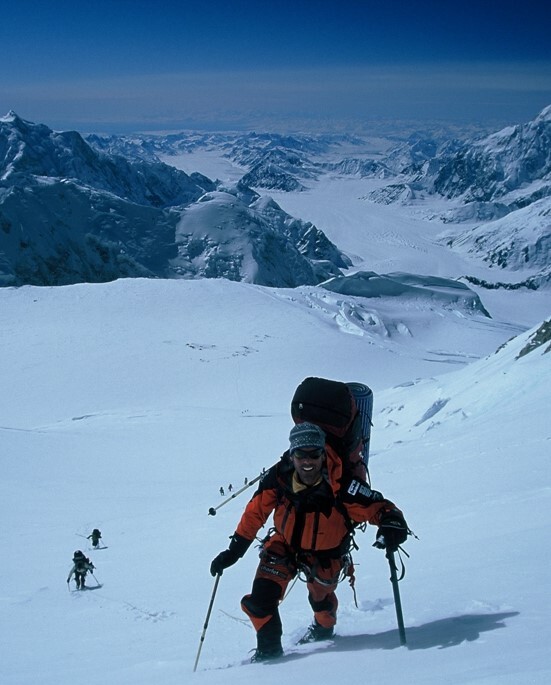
[95,536]
[81,566]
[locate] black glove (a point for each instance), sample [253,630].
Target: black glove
[236,549]
[392,532]
[222,561]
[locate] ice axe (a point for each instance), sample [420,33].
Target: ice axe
[396,590]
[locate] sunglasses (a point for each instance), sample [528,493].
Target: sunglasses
[308,454]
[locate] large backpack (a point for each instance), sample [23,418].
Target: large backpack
[80,561]
[344,412]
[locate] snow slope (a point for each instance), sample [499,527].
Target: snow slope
[127,405]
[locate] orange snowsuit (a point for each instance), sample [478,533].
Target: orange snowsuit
[312,534]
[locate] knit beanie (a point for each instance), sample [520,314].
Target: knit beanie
[306,435]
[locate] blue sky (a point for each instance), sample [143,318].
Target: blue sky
[122,65]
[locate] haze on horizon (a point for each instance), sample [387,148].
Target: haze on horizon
[304,65]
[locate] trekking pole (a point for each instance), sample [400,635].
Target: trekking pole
[94,577]
[212,510]
[396,591]
[207,620]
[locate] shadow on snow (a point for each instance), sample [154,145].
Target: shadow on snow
[446,632]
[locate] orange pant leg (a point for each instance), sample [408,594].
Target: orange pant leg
[321,590]
[274,572]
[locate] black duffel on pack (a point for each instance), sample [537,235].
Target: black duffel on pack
[344,412]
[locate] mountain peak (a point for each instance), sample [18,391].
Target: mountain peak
[9,117]
[544,115]
[13,118]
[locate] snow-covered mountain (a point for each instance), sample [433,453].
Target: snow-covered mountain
[489,176]
[74,209]
[502,182]
[512,165]
[280,170]
[360,167]
[71,213]
[57,231]
[519,240]
[30,151]
[153,147]
[236,234]
[268,160]
[278,162]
